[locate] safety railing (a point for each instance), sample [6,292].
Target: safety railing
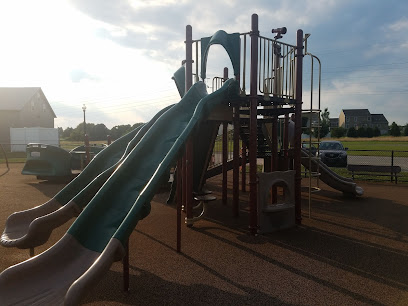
[276,66]
[388,158]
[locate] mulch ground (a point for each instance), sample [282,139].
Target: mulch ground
[350,251]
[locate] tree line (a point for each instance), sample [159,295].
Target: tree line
[96,131]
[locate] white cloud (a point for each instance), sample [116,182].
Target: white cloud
[399,25]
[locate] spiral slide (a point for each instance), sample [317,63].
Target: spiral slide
[97,238]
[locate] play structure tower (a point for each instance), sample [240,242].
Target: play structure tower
[275,89]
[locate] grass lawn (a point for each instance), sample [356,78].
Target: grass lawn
[380,146]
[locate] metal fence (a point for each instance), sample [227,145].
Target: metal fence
[389,158]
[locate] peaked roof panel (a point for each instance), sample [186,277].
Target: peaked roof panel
[356,112]
[14,98]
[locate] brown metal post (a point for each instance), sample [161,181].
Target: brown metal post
[274,162]
[88,155]
[253,210]
[189,144]
[243,167]
[125,262]
[224,161]
[286,141]
[224,152]
[235,177]
[235,152]
[183,180]
[179,202]
[298,126]
[109,139]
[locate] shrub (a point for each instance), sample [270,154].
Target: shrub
[395,130]
[351,132]
[338,132]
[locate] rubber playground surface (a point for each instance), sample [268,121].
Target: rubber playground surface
[351,251]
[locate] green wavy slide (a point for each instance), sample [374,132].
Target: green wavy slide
[33,227]
[64,273]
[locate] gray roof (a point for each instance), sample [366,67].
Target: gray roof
[356,112]
[378,118]
[14,98]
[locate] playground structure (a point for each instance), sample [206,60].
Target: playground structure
[114,191]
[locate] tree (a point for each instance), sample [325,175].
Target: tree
[76,135]
[338,132]
[362,132]
[119,130]
[324,123]
[370,132]
[395,130]
[377,132]
[352,132]
[406,130]
[100,132]
[136,125]
[67,132]
[305,125]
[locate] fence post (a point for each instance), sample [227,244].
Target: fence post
[392,165]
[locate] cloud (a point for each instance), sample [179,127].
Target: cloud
[399,25]
[77,75]
[377,90]
[158,27]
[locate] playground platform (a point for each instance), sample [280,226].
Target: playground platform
[352,251]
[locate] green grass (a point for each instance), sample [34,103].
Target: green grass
[13,157]
[376,145]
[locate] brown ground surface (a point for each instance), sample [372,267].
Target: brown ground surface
[353,251]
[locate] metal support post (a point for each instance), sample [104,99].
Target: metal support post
[224,161]
[298,126]
[253,214]
[189,144]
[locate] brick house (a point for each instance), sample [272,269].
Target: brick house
[23,107]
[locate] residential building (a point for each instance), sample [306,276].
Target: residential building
[379,121]
[358,118]
[23,107]
[334,122]
[355,118]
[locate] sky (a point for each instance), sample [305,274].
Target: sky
[118,57]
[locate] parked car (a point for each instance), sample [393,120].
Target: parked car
[332,153]
[306,146]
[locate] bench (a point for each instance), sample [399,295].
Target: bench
[391,171]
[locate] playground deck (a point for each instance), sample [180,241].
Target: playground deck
[352,251]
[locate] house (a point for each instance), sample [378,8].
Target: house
[354,118]
[379,121]
[334,122]
[23,107]
[358,118]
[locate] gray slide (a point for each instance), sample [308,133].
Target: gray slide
[344,184]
